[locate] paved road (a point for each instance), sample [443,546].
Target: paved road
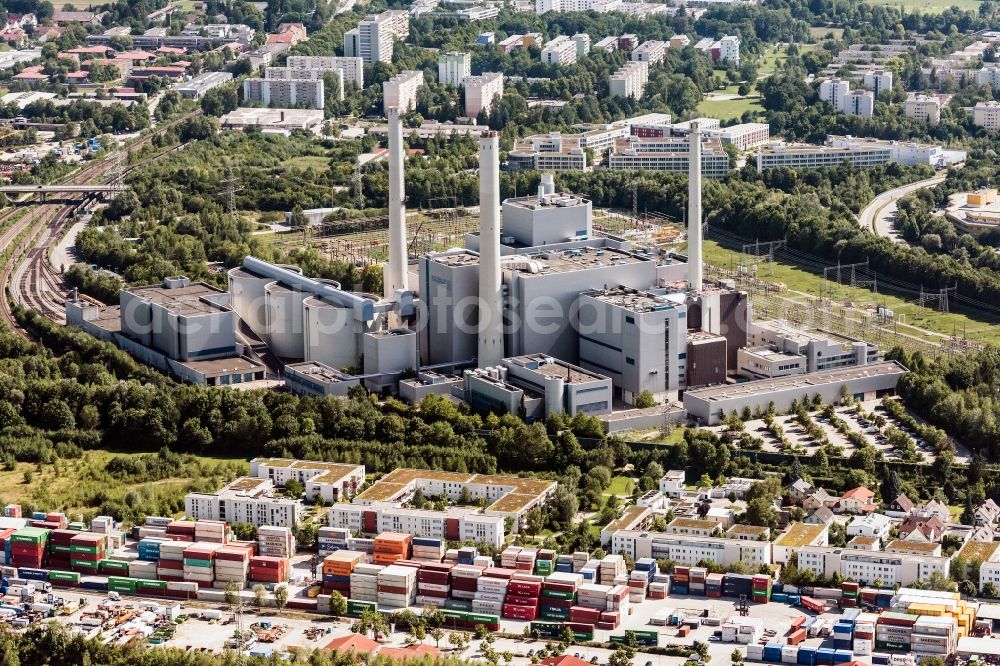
[879,214]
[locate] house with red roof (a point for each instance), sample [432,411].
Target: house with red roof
[564,660]
[857,500]
[362,645]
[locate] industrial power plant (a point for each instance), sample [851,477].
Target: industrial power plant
[536,314]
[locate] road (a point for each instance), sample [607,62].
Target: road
[879,214]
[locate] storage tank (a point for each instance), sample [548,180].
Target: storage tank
[246,290]
[554,391]
[331,333]
[283,314]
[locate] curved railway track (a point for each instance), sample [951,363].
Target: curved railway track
[26,273]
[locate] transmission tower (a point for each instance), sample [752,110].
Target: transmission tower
[635,202]
[359,197]
[765,251]
[939,298]
[117,174]
[230,182]
[841,270]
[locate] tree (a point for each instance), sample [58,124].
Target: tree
[619,658]
[280,597]
[990,590]
[736,656]
[701,648]
[259,596]
[437,633]
[294,488]
[459,640]
[232,595]
[338,604]
[644,399]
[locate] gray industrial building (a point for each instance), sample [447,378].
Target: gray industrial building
[820,351]
[318,380]
[710,405]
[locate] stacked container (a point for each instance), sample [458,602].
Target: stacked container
[658,590]
[142,570]
[266,569]
[590,570]
[850,592]
[232,565]
[680,580]
[696,585]
[12,511]
[737,585]
[864,634]
[397,586]
[391,547]
[337,569]
[523,594]
[843,634]
[180,530]
[102,525]
[467,555]
[491,590]
[88,549]
[508,558]
[332,539]
[61,549]
[713,585]
[211,531]
[761,586]
[465,581]
[170,566]
[364,582]
[64,578]
[637,582]
[545,562]
[935,636]
[111,567]
[559,595]
[199,560]
[149,549]
[428,549]
[275,541]
[27,547]
[182,589]
[433,582]
[525,560]
[121,584]
[612,566]
[894,631]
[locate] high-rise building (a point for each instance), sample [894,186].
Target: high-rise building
[482,92]
[859,103]
[834,91]
[454,66]
[582,41]
[373,38]
[879,81]
[651,51]
[285,93]
[353,68]
[925,108]
[630,80]
[986,114]
[289,74]
[401,90]
[560,51]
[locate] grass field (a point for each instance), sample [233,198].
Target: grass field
[620,485]
[930,6]
[315,162]
[821,33]
[725,109]
[776,55]
[979,329]
[72,485]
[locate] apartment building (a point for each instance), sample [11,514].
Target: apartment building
[373,39]
[453,524]
[482,92]
[582,41]
[245,500]
[867,566]
[986,114]
[879,81]
[859,103]
[989,74]
[688,549]
[560,51]
[651,51]
[599,6]
[667,154]
[331,481]
[925,108]
[744,136]
[352,69]
[453,67]
[401,90]
[909,153]
[630,80]
[548,152]
[805,156]
[285,93]
[834,91]
[288,74]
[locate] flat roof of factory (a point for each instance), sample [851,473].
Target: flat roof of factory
[557,200]
[455,258]
[784,328]
[770,353]
[554,367]
[187,300]
[579,259]
[762,386]
[319,372]
[635,300]
[223,366]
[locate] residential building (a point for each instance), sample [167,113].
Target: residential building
[820,516]
[672,483]
[630,80]
[686,549]
[804,156]
[834,91]
[607,44]
[987,513]
[245,500]
[795,537]
[859,103]
[694,526]
[453,67]
[285,93]
[548,152]
[651,51]
[857,500]
[482,92]
[874,525]
[454,524]
[989,74]
[879,81]
[900,507]
[986,114]
[401,90]
[560,51]
[908,153]
[866,567]
[726,50]
[634,517]
[667,154]
[331,481]
[288,74]
[913,547]
[744,136]
[928,529]
[679,41]
[582,41]
[352,68]
[373,39]
[925,108]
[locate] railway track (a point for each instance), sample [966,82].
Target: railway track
[26,272]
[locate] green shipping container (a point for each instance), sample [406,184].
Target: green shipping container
[62,549]
[889,645]
[547,629]
[152,584]
[646,638]
[480,618]
[67,576]
[90,550]
[558,594]
[458,604]
[555,615]
[78,527]
[192,562]
[84,564]
[583,635]
[30,535]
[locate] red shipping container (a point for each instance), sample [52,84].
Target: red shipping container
[465,584]
[683,631]
[498,572]
[557,603]
[434,577]
[796,636]
[170,564]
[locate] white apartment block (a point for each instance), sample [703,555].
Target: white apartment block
[986,114]
[652,51]
[372,40]
[679,41]
[925,108]
[482,92]
[285,93]
[288,74]
[834,91]
[401,90]
[989,572]
[454,524]
[727,49]
[560,51]
[652,154]
[245,500]
[688,549]
[905,152]
[599,6]
[630,80]
[454,66]
[859,103]
[607,44]
[548,152]
[879,81]
[867,566]
[744,136]
[582,41]
[989,74]
[352,68]
[805,156]
[331,481]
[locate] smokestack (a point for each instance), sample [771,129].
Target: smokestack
[395,273]
[490,295]
[694,208]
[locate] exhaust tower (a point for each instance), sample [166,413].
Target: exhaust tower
[490,286]
[694,209]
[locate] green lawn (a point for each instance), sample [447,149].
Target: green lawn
[620,485]
[980,328]
[725,109]
[930,6]
[821,33]
[316,162]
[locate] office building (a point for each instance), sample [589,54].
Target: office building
[767,362]
[453,67]
[879,81]
[805,156]
[482,92]
[986,114]
[285,93]
[630,80]
[548,152]
[245,500]
[352,69]
[651,51]
[202,83]
[637,338]
[400,92]
[925,108]
[820,351]
[560,51]
[667,154]
[909,153]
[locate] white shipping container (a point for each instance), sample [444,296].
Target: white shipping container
[755,652]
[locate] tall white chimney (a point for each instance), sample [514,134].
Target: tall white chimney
[490,294]
[394,277]
[694,208]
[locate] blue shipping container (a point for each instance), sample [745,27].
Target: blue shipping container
[807,656]
[33,574]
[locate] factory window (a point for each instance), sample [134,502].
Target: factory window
[682,355]
[630,361]
[629,319]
